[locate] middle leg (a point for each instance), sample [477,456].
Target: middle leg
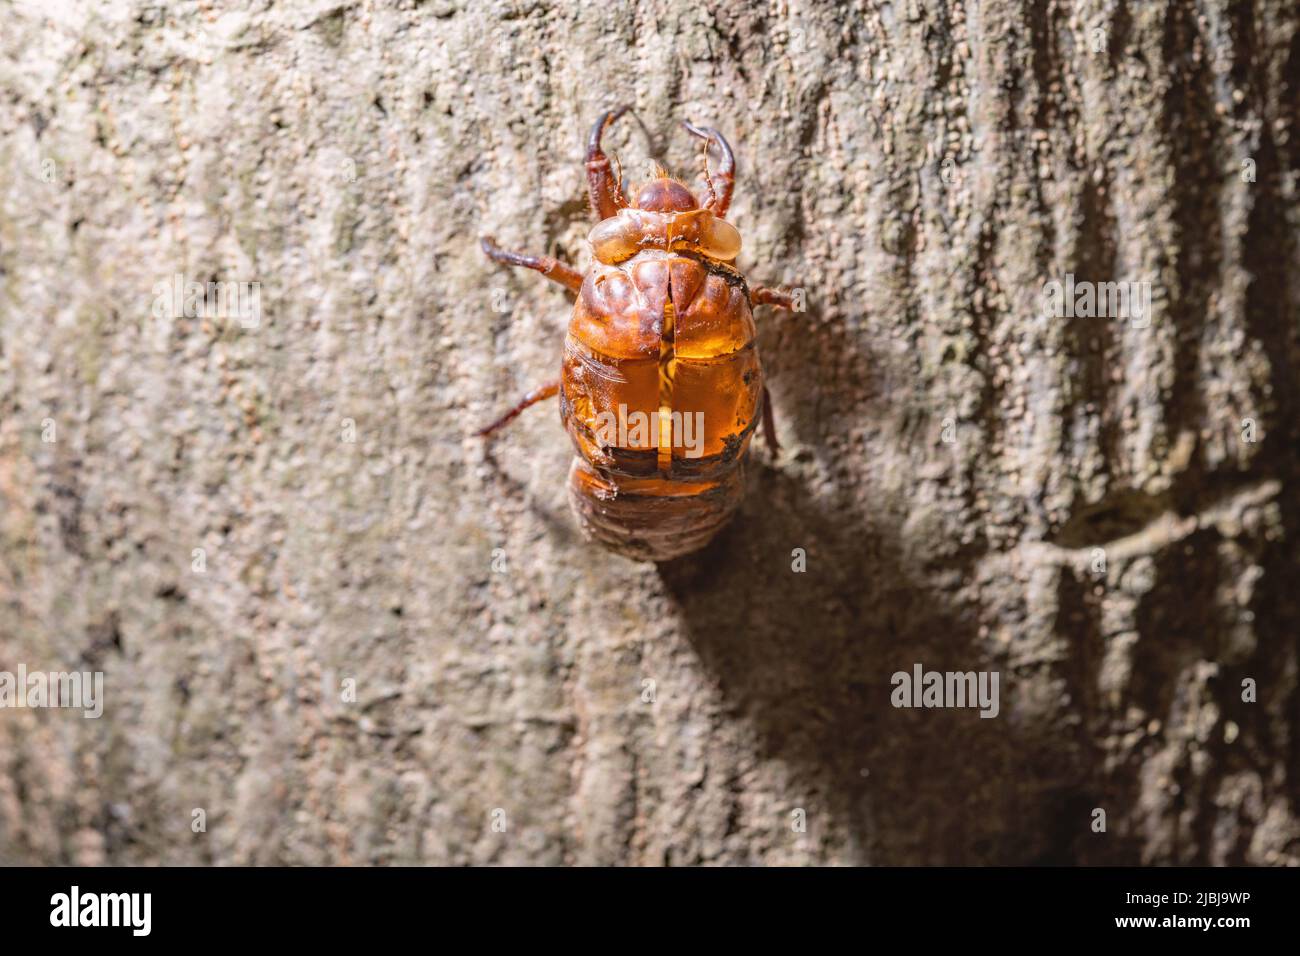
[762,295]
[549,266]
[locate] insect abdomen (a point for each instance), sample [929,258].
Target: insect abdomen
[651,519]
[660,394]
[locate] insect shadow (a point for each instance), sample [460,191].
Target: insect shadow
[808,657]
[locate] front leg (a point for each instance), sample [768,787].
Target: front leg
[606,196]
[549,266]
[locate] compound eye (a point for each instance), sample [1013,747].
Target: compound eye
[721,240]
[614,239]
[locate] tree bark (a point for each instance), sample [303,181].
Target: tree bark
[334,621]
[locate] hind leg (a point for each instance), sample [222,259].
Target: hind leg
[549,390]
[769,424]
[762,295]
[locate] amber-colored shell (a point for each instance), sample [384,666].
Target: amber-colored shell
[673,334]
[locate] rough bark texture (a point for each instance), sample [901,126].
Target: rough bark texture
[953,457]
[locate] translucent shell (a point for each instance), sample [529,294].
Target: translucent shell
[620,237]
[654,319]
[721,240]
[615,239]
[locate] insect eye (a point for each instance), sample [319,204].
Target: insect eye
[614,239]
[721,240]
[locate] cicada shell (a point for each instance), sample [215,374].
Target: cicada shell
[661,387]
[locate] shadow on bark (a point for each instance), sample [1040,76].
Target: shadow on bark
[808,658]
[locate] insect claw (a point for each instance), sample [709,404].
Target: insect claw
[606,199]
[720,196]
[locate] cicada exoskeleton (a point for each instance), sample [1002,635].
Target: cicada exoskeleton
[661,386]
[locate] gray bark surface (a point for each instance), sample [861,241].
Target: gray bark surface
[953,459]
